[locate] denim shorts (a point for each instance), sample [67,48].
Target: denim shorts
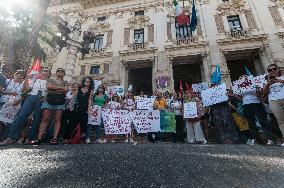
[46,105]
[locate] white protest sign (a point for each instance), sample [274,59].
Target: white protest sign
[9,112]
[114,105]
[95,115]
[199,87]
[260,80]
[276,91]
[145,103]
[119,90]
[97,83]
[214,95]
[190,110]
[146,120]
[245,84]
[116,121]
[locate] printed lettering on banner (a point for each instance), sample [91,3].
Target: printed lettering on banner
[146,120]
[145,103]
[119,90]
[95,115]
[116,121]
[190,110]
[260,80]
[9,112]
[97,83]
[214,95]
[199,87]
[276,91]
[245,84]
[114,105]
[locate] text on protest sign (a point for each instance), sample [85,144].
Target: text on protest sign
[114,105]
[245,84]
[276,90]
[146,120]
[95,115]
[9,112]
[199,87]
[145,103]
[190,110]
[116,121]
[214,95]
[260,80]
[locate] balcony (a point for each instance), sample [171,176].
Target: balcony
[238,34]
[188,40]
[98,50]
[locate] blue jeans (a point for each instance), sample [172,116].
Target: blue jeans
[32,103]
[97,131]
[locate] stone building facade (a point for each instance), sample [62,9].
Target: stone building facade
[137,42]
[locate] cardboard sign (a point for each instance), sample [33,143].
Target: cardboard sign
[145,103]
[116,121]
[95,116]
[9,112]
[243,85]
[260,80]
[146,120]
[276,91]
[214,95]
[119,90]
[190,110]
[199,87]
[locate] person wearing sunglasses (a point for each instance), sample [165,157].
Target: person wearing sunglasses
[274,89]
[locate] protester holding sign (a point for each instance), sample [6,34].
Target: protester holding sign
[193,127]
[275,91]
[176,106]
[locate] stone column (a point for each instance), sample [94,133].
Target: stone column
[264,57]
[205,68]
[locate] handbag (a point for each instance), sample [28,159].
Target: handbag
[55,98]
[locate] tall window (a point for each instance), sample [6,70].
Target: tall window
[102,19]
[95,70]
[182,32]
[139,13]
[99,42]
[235,23]
[138,36]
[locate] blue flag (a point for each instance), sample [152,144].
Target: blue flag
[247,71]
[216,77]
[193,22]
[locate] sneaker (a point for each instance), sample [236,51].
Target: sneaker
[253,142]
[282,145]
[205,142]
[269,143]
[98,141]
[126,141]
[248,142]
[88,141]
[104,141]
[21,141]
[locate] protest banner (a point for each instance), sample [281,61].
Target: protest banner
[114,105]
[119,90]
[168,121]
[116,121]
[9,112]
[145,103]
[190,110]
[95,115]
[146,120]
[245,84]
[214,95]
[199,87]
[260,80]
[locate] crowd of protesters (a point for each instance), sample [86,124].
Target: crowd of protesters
[52,108]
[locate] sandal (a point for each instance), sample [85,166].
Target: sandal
[53,141]
[35,142]
[6,142]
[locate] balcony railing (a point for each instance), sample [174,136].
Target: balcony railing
[237,34]
[186,41]
[98,50]
[137,46]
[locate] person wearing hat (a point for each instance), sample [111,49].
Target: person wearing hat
[57,88]
[32,104]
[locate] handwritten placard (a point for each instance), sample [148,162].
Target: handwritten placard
[276,91]
[190,110]
[95,115]
[260,80]
[114,105]
[146,120]
[9,112]
[97,83]
[214,95]
[145,103]
[116,121]
[199,87]
[243,85]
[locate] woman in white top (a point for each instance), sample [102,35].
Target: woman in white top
[254,111]
[275,91]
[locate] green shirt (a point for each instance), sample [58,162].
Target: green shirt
[100,101]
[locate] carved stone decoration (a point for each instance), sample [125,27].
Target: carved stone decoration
[126,36]
[276,16]
[219,23]
[137,22]
[278,2]
[106,68]
[109,38]
[169,30]
[83,70]
[250,19]
[100,27]
[231,7]
[151,33]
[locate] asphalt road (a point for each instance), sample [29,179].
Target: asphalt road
[145,165]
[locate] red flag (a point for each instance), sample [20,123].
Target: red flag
[188,88]
[36,67]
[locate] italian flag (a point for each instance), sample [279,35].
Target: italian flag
[182,19]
